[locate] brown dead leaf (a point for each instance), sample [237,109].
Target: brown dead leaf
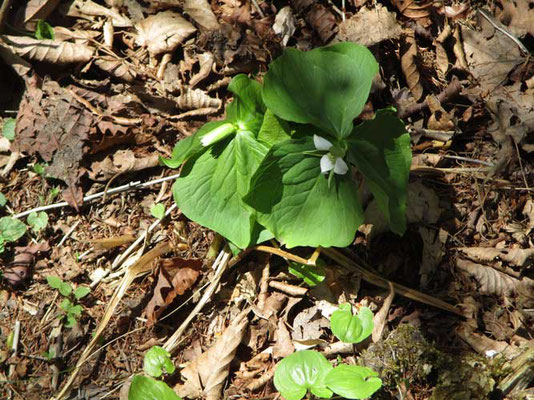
[369,26]
[322,21]
[484,345]
[206,61]
[175,277]
[163,32]
[19,65]
[491,281]
[381,317]
[200,11]
[285,24]
[413,8]
[515,257]
[433,250]
[440,120]
[122,161]
[77,36]
[193,99]
[51,51]
[89,9]
[309,324]
[207,373]
[283,346]
[409,66]
[39,9]
[517,15]
[111,242]
[116,67]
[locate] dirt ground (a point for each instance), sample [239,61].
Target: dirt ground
[123,80]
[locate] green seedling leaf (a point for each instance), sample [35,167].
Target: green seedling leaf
[8,129]
[38,221]
[145,388]
[76,310]
[158,210]
[211,186]
[326,87]
[39,169]
[350,328]
[65,305]
[11,229]
[302,371]
[44,30]
[295,202]
[10,339]
[81,292]
[353,381]
[54,282]
[71,321]
[156,360]
[63,287]
[3,200]
[2,247]
[273,129]
[311,274]
[50,355]
[380,148]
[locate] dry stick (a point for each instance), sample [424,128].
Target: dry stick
[119,189]
[377,280]
[142,265]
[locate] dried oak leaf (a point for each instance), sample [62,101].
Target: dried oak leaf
[518,15]
[88,9]
[322,21]
[116,67]
[515,257]
[175,277]
[369,26]
[163,32]
[39,9]
[51,51]
[121,161]
[200,11]
[207,373]
[409,66]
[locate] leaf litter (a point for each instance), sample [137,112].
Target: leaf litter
[85,113]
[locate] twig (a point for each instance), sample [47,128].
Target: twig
[283,254]
[119,189]
[471,160]
[444,136]
[67,235]
[291,290]
[14,346]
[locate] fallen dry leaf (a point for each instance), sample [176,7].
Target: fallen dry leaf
[285,24]
[515,257]
[409,66]
[440,120]
[200,11]
[413,8]
[433,250]
[369,26]
[39,9]
[484,345]
[283,346]
[122,161]
[518,15]
[176,276]
[51,51]
[207,373]
[89,9]
[206,61]
[322,21]
[309,324]
[193,99]
[163,32]
[116,67]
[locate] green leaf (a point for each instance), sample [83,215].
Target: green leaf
[44,30]
[81,292]
[39,169]
[2,246]
[273,129]
[210,187]
[3,200]
[311,274]
[294,201]
[76,310]
[302,371]
[380,148]
[158,210]
[156,360]
[11,229]
[65,288]
[326,87]
[38,221]
[145,388]
[190,146]
[351,328]
[71,321]
[8,130]
[353,381]
[247,109]
[54,282]
[65,305]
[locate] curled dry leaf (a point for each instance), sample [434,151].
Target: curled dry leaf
[208,372]
[51,51]
[116,67]
[78,36]
[483,344]
[322,21]
[413,9]
[19,65]
[442,59]
[369,26]
[515,257]
[193,99]
[440,120]
[200,11]
[163,32]
[122,161]
[88,9]
[206,61]
[285,24]
[39,9]
[409,65]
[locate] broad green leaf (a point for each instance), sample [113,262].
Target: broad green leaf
[145,388]
[71,321]
[65,288]
[380,148]
[353,381]
[156,360]
[8,129]
[3,200]
[11,229]
[326,87]
[350,328]
[76,310]
[190,146]
[294,201]
[81,292]
[302,371]
[44,30]
[247,108]
[211,185]
[65,305]
[273,129]
[311,274]
[39,169]
[54,282]
[158,210]
[38,221]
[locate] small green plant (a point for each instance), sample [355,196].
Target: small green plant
[309,370]
[8,129]
[279,164]
[11,229]
[158,210]
[312,275]
[72,310]
[157,360]
[38,221]
[39,169]
[3,200]
[44,30]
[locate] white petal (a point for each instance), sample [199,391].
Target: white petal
[340,167]
[321,143]
[326,164]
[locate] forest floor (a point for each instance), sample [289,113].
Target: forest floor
[123,80]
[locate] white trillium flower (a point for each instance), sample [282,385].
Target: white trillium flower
[333,160]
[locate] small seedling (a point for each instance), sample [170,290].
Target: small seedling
[3,200]
[158,210]
[157,360]
[39,169]
[312,275]
[44,30]
[11,229]
[38,221]
[72,310]
[8,129]
[350,328]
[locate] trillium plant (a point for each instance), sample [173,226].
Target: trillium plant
[284,162]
